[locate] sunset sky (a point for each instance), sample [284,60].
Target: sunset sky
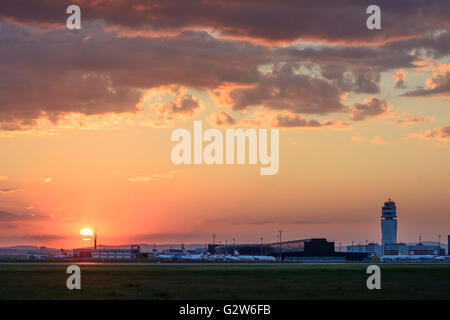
[86,118]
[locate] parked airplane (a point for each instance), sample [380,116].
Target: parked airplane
[424,256]
[413,257]
[158,255]
[188,256]
[244,257]
[265,258]
[231,257]
[398,257]
[260,257]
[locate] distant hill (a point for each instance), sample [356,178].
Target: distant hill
[429,243]
[23,248]
[21,251]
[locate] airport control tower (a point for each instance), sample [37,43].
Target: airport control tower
[389,223]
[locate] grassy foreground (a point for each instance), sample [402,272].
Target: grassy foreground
[225,282]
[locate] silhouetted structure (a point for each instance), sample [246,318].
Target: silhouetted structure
[316,247]
[389,223]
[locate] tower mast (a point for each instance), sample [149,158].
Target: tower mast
[95,238]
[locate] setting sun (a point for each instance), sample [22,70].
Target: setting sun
[87,233]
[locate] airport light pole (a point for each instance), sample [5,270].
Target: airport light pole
[278,240]
[280,231]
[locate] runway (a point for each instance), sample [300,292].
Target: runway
[213,263]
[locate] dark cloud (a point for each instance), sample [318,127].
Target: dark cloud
[370,108]
[107,65]
[43,237]
[337,58]
[8,226]
[399,77]
[9,190]
[289,120]
[187,105]
[223,119]
[56,94]
[357,68]
[261,221]
[33,237]
[442,134]
[284,89]
[52,73]
[284,120]
[413,120]
[269,20]
[173,237]
[184,105]
[438,85]
[434,45]
[8,216]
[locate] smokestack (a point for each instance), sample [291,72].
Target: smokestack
[95,239]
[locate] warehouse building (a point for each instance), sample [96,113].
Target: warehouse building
[108,254]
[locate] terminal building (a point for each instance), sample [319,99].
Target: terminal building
[319,247]
[315,249]
[370,249]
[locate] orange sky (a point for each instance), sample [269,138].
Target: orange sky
[86,143]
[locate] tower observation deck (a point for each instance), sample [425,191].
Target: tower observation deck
[389,223]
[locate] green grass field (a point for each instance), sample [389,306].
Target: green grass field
[225,282]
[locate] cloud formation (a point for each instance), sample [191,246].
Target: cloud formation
[9,190]
[370,108]
[280,55]
[441,134]
[378,140]
[222,119]
[8,216]
[438,85]
[400,77]
[155,176]
[268,20]
[285,89]
[298,121]
[413,120]
[34,237]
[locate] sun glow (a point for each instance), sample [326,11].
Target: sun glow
[87,234]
